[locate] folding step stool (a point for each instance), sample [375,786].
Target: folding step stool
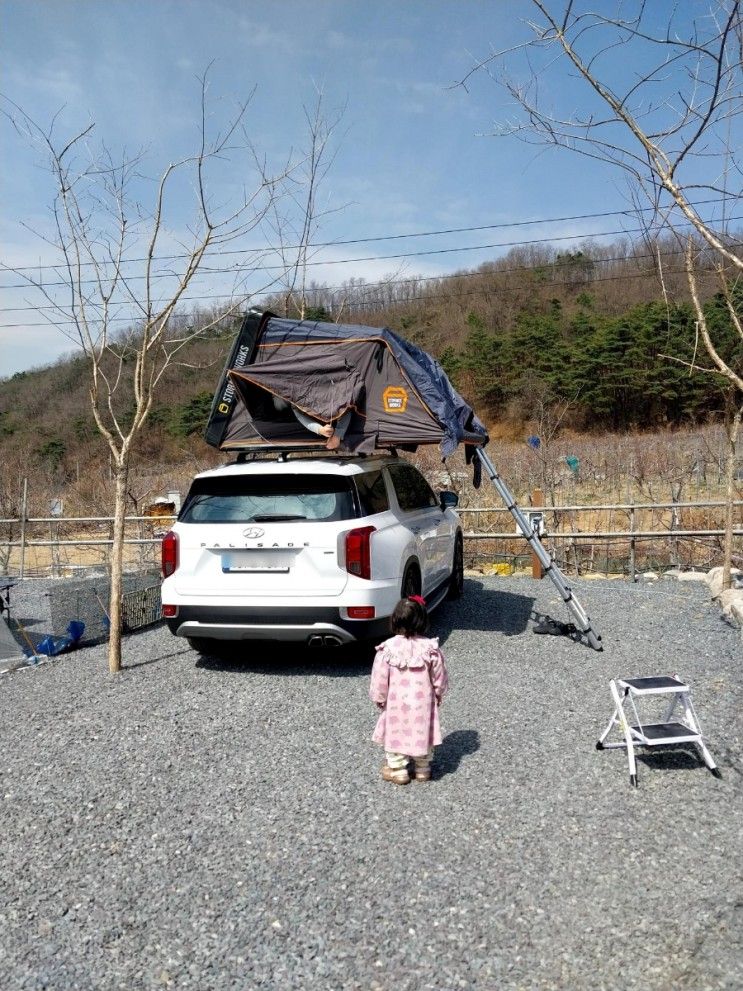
[669,732]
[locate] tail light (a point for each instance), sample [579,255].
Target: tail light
[358,552]
[361,612]
[169,554]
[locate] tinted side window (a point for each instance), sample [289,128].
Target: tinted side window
[412,490]
[372,493]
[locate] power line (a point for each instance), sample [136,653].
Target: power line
[389,237]
[385,237]
[367,258]
[360,304]
[627,259]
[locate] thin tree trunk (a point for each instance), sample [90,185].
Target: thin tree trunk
[117,561]
[727,550]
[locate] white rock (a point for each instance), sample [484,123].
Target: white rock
[692,576]
[714,580]
[731,601]
[651,576]
[736,611]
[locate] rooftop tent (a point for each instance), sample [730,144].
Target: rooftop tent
[397,395]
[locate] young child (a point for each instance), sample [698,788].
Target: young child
[407,682]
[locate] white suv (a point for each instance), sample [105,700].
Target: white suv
[312,550]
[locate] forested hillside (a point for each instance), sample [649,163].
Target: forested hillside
[589,334]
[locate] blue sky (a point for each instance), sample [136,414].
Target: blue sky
[413,153]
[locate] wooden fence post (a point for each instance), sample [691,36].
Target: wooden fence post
[24,516]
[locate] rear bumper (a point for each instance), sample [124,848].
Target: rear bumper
[286,623]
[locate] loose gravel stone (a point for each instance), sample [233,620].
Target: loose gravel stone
[205,823]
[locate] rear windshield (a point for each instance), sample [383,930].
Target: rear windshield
[268,499]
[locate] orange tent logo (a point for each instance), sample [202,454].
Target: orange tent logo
[395,399]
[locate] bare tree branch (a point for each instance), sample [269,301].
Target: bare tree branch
[98,230]
[661,105]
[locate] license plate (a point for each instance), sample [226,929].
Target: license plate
[254,564]
[244,569]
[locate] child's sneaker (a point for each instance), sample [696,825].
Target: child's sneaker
[398,776]
[423,774]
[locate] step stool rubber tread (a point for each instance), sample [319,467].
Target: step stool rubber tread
[654,684]
[658,732]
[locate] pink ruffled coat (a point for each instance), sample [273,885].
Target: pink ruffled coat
[407,675]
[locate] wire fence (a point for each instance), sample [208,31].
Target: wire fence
[62,547]
[611,538]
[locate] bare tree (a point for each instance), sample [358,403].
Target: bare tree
[117,256]
[294,227]
[661,105]
[294,230]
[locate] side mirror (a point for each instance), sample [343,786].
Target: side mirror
[448,500]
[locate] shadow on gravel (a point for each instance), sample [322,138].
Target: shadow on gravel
[452,749]
[27,622]
[279,659]
[484,609]
[672,759]
[130,665]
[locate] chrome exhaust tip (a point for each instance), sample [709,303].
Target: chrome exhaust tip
[332,641]
[315,641]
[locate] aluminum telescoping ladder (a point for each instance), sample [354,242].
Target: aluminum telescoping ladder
[545,558]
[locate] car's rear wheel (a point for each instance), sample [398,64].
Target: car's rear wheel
[411,581]
[456,582]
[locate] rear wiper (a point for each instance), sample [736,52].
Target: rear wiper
[277,519]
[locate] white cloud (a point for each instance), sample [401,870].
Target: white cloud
[27,347]
[260,35]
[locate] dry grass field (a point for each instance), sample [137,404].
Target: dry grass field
[589,484]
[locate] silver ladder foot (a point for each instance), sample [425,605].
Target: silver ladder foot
[545,558]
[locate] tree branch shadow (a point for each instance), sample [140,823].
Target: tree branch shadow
[484,609]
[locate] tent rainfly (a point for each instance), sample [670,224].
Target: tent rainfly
[397,395]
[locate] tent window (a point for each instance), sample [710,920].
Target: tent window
[412,490]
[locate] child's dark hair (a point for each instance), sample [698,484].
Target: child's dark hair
[409,618]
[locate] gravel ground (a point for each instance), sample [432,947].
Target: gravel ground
[196,823]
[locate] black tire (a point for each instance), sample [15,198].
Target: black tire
[456,582]
[411,582]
